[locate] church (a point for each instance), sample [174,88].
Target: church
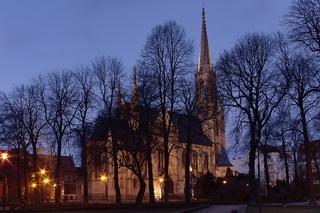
[208,142]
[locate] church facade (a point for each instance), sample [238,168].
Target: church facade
[208,142]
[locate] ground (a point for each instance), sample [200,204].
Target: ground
[160,210]
[289,209]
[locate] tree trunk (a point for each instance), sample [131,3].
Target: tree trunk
[84,169]
[25,175]
[258,167]
[150,172]
[187,187]
[115,167]
[36,174]
[166,167]
[295,166]
[285,157]
[308,153]
[57,192]
[266,170]
[19,192]
[142,188]
[316,165]
[252,178]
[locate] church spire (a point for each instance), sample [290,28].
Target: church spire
[134,118]
[134,89]
[205,76]
[204,55]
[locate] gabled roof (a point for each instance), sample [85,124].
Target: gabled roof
[222,159]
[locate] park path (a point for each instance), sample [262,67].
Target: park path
[223,209]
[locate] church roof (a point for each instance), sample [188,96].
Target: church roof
[222,159]
[180,121]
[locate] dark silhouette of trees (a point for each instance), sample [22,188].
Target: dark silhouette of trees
[146,98]
[108,76]
[13,135]
[57,92]
[188,102]
[301,73]
[85,100]
[249,84]
[303,23]
[167,53]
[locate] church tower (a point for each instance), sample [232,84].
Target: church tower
[205,77]
[210,108]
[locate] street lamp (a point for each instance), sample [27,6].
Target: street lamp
[4,156]
[224,182]
[42,171]
[46,180]
[104,179]
[33,185]
[161,180]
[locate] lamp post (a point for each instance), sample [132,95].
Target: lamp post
[4,157]
[104,179]
[161,180]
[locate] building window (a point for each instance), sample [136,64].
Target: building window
[195,161]
[206,161]
[69,188]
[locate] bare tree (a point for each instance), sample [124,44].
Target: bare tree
[301,72]
[132,153]
[188,101]
[249,84]
[84,117]
[167,53]
[13,135]
[146,98]
[108,75]
[282,122]
[57,92]
[303,22]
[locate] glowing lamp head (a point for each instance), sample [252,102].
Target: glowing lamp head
[54,185]
[33,185]
[103,178]
[224,182]
[42,171]
[161,180]
[4,156]
[46,181]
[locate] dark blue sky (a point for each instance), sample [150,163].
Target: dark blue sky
[38,36]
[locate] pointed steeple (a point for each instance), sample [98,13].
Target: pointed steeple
[204,53]
[134,89]
[205,76]
[120,102]
[134,116]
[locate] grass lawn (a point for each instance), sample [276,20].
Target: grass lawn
[278,209]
